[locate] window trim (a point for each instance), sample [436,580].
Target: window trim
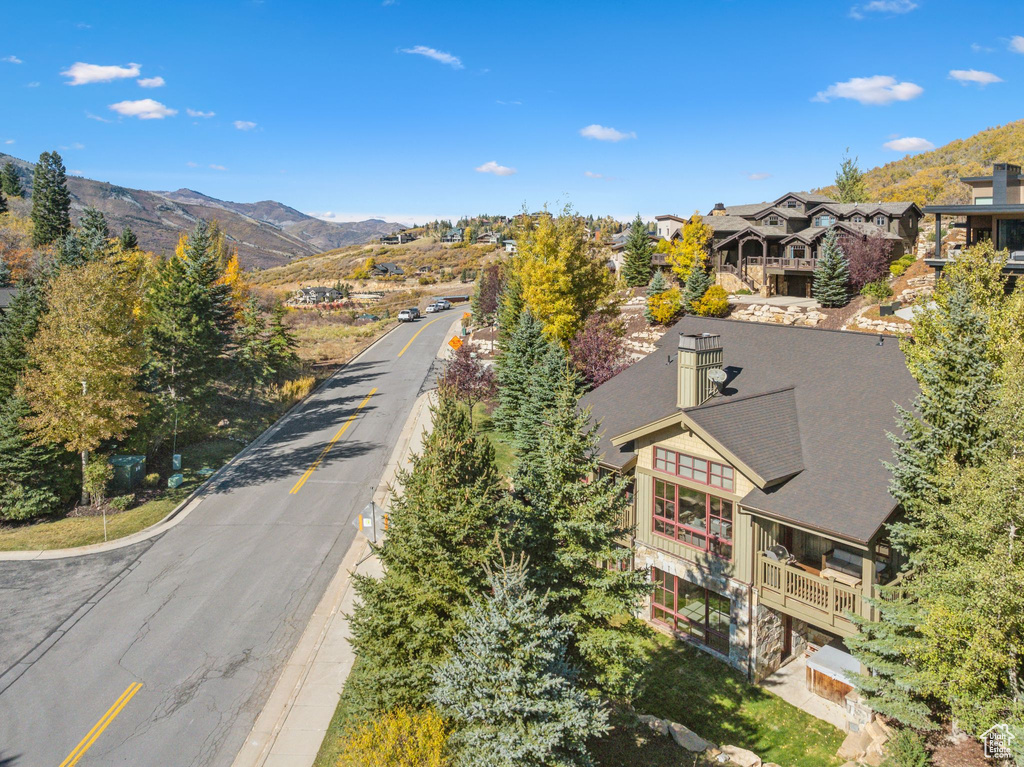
[882,218]
[713,543]
[673,460]
[706,629]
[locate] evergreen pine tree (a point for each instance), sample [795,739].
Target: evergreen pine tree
[519,356]
[51,201]
[636,265]
[949,427]
[5,274]
[552,372]
[567,519]
[657,286]
[189,328]
[441,531]
[17,328]
[3,202]
[510,306]
[10,181]
[832,274]
[36,479]
[252,351]
[94,233]
[281,343]
[697,283]
[127,239]
[68,252]
[509,687]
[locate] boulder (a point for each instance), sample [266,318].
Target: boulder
[741,756]
[855,746]
[687,739]
[657,725]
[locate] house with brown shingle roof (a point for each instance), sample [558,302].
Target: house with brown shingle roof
[772,247]
[760,492]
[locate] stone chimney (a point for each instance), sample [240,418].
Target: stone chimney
[718,210]
[698,353]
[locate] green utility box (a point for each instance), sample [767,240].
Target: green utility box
[175,480]
[129,471]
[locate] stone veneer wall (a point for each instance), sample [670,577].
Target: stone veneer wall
[738,593]
[769,639]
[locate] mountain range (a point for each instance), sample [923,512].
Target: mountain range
[266,233]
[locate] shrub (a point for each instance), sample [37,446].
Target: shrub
[397,739]
[122,502]
[426,280]
[906,750]
[714,303]
[98,474]
[878,291]
[151,480]
[897,268]
[295,389]
[665,307]
[744,292]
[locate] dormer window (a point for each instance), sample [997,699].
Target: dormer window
[858,219]
[879,220]
[772,221]
[824,220]
[792,204]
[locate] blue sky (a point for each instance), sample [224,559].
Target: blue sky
[409,109]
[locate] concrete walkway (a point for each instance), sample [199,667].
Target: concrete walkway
[790,684]
[294,721]
[781,301]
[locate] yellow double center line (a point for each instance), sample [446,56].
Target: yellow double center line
[329,445]
[416,334]
[98,728]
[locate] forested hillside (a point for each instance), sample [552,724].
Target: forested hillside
[934,177]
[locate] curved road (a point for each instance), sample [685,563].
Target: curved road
[163,653]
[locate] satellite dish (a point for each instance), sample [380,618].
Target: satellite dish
[717,376]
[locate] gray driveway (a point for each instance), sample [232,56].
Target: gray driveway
[205,615]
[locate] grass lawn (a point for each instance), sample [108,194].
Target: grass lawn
[688,686]
[82,531]
[504,453]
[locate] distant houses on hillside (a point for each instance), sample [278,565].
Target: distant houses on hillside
[315,295]
[397,238]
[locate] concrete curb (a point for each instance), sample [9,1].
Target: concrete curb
[194,498]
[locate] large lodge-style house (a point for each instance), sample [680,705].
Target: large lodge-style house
[772,247]
[760,494]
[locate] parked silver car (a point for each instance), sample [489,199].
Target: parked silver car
[406,315]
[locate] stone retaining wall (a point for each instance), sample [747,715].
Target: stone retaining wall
[792,315]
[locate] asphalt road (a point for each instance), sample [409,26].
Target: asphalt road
[204,616]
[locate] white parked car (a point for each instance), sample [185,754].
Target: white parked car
[406,315]
[442,304]
[431,308]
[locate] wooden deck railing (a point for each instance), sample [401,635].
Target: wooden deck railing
[803,264]
[821,601]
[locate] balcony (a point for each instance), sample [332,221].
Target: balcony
[800,591]
[778,262]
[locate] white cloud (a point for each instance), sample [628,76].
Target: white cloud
[603,133]
[97,118]
[244,125]
[909,144]
[432,53]
[978,48]
[509,103]
[191,164]
[9,141]
[144,109]
[74,172]
[758,176]
[591,174]
[968,76]
[875,90]
[152,82]
[217,167]
[1017,44]
[882,6]
[198,113]
[83,74]
[493,167]
[11,60]
[76,145]
[33,84]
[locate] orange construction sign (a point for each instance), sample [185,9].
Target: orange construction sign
[455,343]
[466,315]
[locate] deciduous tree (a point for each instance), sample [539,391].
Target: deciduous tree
[868,258]
[85,361]
[468,379]
[510,687]
[484,303]
[691,249]
[400,738]
[562,282]
[599,350]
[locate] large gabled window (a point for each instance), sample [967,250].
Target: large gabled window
[693,517]
[691,610]
[698,469]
